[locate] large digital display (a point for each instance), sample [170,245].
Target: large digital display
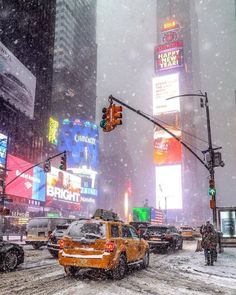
[141,214]
[80,139]
[228,223]
[30,185]
[63,188]
[17,82]
[169,56]
[164,87]
[167,150]
[53,131]
[168,187]
[3,150]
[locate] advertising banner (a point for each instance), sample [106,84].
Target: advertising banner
[30,185]
[169,56]
[17,83]
[168,187]
[163,88]
[167,150]
[228,223]
[80,139]
[63,189]
[53,131]
[3,150]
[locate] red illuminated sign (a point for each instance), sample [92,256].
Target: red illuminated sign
[167,150]
[169,56]
[170,25]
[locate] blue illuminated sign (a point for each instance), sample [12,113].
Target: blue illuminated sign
[3,150]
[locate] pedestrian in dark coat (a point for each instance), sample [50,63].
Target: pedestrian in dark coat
[209,242]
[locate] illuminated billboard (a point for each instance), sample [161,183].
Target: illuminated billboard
[3,150]
[165,87]
[169,187]
[30,185]
[167,150]
[141,214]
[80,139]
[63,189]
[17,82]
[53,131]
[169,56]
[228,222]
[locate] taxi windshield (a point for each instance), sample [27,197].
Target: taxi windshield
[87,230]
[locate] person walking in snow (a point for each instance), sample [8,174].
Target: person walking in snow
[209,242]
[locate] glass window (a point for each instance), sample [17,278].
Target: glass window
[126,232]
[82,229]
[115,231]
[134,233]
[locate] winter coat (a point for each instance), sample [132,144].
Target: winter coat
[209,240]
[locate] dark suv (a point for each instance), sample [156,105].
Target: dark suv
[54,239]
[162,238]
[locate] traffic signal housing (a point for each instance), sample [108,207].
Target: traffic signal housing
[116,115]
[212,189]
[106,122]
[47,166]
[63,165]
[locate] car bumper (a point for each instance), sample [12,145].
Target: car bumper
[102,261]
[158,244]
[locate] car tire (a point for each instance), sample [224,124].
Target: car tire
[10,261]
[120,270]
[71,271]
[145,262]
[181,246]
[53,253]
[36,246]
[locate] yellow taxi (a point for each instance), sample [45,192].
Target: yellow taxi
[186,232]
[102,242]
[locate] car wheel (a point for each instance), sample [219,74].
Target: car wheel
[145,262]
[10,261]
[181,246]
[119,272]
[36,246]
[71,270]
[53,253]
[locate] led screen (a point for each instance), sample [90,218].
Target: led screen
[3,150]
[30,184]
[141,214]
[53,131]
[168,187]
[167,150]
[165,87]
[80,139]
[63,188]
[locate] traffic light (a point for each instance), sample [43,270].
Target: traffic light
[47,166]
[63,162]
[212,189]
[116,115]
[106,123]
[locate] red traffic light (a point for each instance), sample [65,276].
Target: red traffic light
[63,165]
[116,115]
[212,183]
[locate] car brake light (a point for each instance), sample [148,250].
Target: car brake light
[109,247]
[61,244]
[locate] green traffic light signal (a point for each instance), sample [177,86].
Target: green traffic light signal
[103,123]
[212,192]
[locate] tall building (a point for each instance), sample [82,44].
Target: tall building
[75,59]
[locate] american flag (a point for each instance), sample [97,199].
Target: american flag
[157,216]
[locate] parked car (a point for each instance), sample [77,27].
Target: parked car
[162,238]
[102,243]
[40,228]
[54,239]
[11,255]
[186,232]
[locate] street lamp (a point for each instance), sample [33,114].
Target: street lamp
[214,159]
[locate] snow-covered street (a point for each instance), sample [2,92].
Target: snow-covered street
[177,273]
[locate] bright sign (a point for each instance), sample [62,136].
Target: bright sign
[168,187]
[62,187]
[53,131]
[141,214]
[30,184]
[169,56]
[167,150]
[170,25]
[3,150]
[228,223]
[164,87]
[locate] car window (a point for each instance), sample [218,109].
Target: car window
[80,229]
[173,230]
[157,230]
[38,222]
[115,231]
[126,232]
[133,233]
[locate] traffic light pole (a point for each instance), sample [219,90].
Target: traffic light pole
[211,165]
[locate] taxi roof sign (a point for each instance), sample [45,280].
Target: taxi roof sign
[105,215]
